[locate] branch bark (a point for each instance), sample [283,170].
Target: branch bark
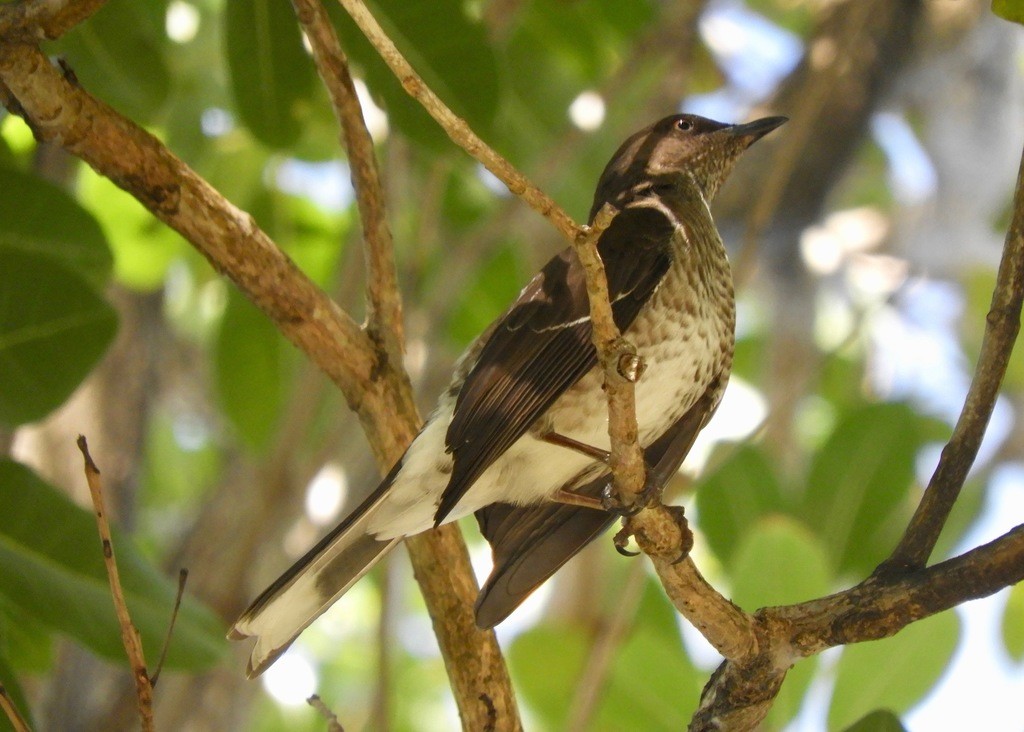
[43,20]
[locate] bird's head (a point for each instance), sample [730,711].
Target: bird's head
[676,149]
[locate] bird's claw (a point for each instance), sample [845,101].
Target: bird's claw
[613,504]
[621,541]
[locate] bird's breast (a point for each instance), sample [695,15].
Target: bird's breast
[685,335]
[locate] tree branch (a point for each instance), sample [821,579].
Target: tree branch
[455,127]
[384,301]
[1001,327]
[43,20]
[741,691]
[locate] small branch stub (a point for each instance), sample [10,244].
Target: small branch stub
[129,633]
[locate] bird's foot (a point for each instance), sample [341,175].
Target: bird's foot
[648,495]
[664,533]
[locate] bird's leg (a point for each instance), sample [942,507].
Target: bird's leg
[608,501]
[553,438]
[572,498]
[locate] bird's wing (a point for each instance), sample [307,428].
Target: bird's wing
[529,544]
[542,345]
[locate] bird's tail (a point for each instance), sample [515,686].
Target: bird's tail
[313,584]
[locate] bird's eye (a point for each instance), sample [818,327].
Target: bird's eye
[684,124]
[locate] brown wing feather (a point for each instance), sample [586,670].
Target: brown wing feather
[542,346]
[531,543]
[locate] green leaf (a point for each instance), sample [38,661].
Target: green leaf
[445,47]
[272,76]
[143,247]
[1009,9]
[118,55]
[53,330]
[1013,623]
[497,283]
[51,567]
[39,218]
[778,562]
[24,641]
[546,662]
[650,682]
[893,673]
[734,496]
[880,720]
[9,681]
[249,370]
[651,679]
[859,483]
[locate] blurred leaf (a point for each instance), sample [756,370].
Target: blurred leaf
[734,496]
[497,283]
[1013,623]
[143,247]
[24,641]
[272,76]
[880,720]
[309,235]
[51,567]
[859,481]
[893,673]
[53,330]
[39,218]
[9,680]
[559,49]
[249,370]
[778,562]
[650,681]
[117,54]
[182,461]
[546,662]
[1012,10]
[795,17]
[445,47]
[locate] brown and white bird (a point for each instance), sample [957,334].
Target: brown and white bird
[520,437]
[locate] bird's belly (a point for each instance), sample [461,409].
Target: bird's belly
[683,353]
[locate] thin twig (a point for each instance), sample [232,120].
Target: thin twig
[129,633]
[11,710]
[1001,327]
[182,579]
[43,20]
[333,725]
[384,301]
[455,127]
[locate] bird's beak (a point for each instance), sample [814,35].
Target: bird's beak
[757,129]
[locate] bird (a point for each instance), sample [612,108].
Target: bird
[520,436]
